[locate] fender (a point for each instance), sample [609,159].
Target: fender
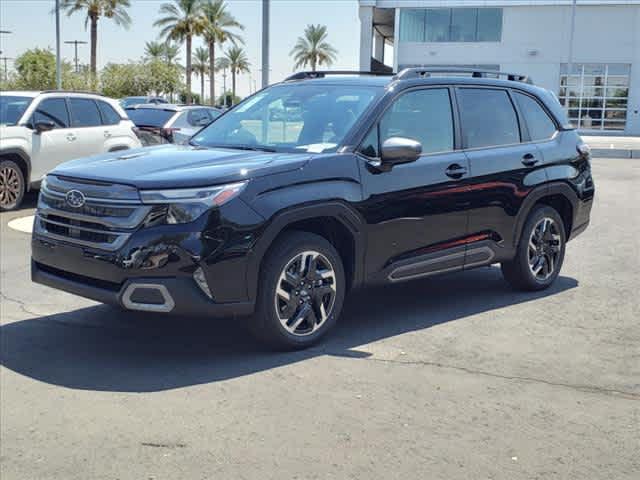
[334,209]
[24,156]
[553,188]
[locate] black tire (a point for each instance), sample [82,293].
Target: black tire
[519,272]
[12,185]
[292,250]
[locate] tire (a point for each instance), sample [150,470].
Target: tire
[12,185]
[302,289]
[537,264]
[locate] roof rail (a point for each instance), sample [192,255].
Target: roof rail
[85,92]
[421,72]
[324,73]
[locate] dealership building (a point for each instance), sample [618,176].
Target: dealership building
[587,53]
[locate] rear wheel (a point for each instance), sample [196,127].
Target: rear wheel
[540,252]
[302,288]
[12,185]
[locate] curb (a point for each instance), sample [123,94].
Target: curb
[615,153]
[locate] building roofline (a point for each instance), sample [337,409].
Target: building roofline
[491,3]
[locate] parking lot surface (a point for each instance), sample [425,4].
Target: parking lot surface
[445,378]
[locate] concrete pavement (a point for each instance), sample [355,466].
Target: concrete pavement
[455,377]
[613,146]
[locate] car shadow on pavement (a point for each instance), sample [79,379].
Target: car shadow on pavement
[102,348]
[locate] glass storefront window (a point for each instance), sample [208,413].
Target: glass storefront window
[595,95]
[450,25]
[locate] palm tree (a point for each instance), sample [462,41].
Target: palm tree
[154,50]
[218,29]
[182,21]
[172,53]
[113,9]
[313,49]
[238,63]
[201,67]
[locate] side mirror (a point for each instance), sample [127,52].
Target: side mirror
[396,150]
[44,126]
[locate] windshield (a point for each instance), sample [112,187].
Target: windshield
[290,118]
[12,108]
[149,117]
[128,101]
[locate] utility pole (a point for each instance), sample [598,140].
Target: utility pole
[6,71]
[224,86]
[7,32]
[265,43]
[58,61]
[76,43]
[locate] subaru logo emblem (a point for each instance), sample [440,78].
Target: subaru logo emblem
[75,198]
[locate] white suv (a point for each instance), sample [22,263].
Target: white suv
[39,130]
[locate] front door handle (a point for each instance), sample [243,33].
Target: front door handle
[107,134]
[529,160]
[71,137]
[455,171]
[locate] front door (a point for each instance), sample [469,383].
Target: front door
[417,207]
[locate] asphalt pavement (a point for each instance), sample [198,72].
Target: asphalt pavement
[454,377]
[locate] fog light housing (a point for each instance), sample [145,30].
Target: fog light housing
[201,281]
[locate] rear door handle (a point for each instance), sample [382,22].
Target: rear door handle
[529,160]
[107,134]
[455,171]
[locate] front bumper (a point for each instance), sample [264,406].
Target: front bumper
[182,295]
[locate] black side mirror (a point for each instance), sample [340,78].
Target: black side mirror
[396,150]
[44,126]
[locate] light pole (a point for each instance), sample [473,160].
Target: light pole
[571,34]
[265,43]
[7,32]
[6,71]
[76,43]
[58,61]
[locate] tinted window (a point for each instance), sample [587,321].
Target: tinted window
[199,118]
[52,110]
[488,118]
[12,108]
[149,117]
[539,124]
[422,115]
[84,113]
[182,121]
[109,115]
[451,25]
[370,146]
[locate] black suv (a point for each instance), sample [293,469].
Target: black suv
[317,185]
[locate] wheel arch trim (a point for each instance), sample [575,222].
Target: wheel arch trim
[24,156]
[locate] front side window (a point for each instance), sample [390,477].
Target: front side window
[421,115]
[12,108]
[451,25]
[487,118]
[291,118]
[84,113]
[52,110]
[540,126]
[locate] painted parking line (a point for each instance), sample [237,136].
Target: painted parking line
[22,224]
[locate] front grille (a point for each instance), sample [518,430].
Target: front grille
[102,223]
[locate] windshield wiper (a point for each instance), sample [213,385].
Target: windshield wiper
[254,148]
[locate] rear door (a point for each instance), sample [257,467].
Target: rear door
[86,120]
[416,207]
[55,146]
[504,166]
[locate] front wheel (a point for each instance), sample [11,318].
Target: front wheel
[302,288]
[540,252]
[12,185]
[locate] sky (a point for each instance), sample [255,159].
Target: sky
[33,25]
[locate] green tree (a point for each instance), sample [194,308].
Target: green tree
[219,27]
[227,99]
[164,78]
[125,79]
[95,9]
[238,63]
[36,70]
[154,50]
[313,49]
[182,21]
[201,66]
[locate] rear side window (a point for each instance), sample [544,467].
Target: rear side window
[488,118]
[84,113]
[199,118]
[149,117]
[540,126]
[422,115]
[109,115]
[52,110]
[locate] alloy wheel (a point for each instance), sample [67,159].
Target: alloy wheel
[545,247]
[306,293]
[10,187]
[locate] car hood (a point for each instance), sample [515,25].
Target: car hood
[175,166]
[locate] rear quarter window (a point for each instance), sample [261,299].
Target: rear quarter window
[539,124]
[109,115]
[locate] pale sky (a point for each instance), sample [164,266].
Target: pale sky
[33,25]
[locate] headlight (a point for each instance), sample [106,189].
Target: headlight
[187,204]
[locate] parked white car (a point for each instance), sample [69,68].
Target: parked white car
[39,130]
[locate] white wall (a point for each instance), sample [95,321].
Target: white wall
[604,34]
